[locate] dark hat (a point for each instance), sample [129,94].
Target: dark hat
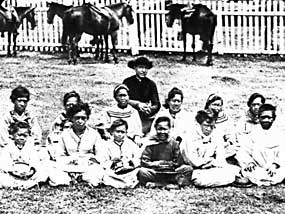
[140,61]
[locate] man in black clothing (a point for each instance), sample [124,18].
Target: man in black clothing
[143,92]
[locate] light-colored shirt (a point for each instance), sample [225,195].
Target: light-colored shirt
[203,151]
[264,147]
[179,122]
[70,144]
[129,114]
[126,151]
[12,154]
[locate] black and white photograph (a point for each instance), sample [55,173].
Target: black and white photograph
[142,106]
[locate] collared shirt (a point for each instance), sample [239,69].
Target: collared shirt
[125,151]
[70,143]
[143,90]
[202,151]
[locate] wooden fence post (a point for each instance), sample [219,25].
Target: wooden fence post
[133,32]
[219,29]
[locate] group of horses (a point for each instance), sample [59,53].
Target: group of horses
[100,22]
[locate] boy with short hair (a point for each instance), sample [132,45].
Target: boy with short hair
[20,97]
[161,162]
[20,164]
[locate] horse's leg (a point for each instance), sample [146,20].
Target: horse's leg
[70,50]
[75,50]
[184,45]
[114,38]
[97,42]
[9,44]
[210,49]
[63,41]
[77,39]
[102,44]
[106,48]
[15,43]
[193,47]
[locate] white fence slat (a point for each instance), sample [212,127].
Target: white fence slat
[255,26]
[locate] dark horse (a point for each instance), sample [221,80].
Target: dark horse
[59,10]
[91,20]
[200,20]
[11,27]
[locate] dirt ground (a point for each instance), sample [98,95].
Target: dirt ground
[48,76]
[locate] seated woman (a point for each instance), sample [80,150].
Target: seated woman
[249,121]
[75,153]
[20,97]
[204,150]
[223,124]
[122,110]
[62,122]
[20,163]
[178,116]
[121,157]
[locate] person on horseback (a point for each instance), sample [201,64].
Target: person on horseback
[10,14]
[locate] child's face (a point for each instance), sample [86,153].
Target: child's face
[207,127]
[119,133]
[79,120]
[20,137]
[162,130]
[122,97]
[20,104]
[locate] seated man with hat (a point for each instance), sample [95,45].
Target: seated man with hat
[143,92]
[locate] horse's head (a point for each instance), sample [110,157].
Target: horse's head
[128,13]
[56,9]
[50,13]
[31,17]
[174,12]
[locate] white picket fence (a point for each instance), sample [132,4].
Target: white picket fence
[247,26]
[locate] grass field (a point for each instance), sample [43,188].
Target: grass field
[234,78]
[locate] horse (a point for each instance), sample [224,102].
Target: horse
[59,10]
[56,9]
[95,21]
[199,20]
[11,27]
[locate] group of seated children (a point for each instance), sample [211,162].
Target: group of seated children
[136,142]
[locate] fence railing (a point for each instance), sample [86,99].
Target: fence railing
[246,26]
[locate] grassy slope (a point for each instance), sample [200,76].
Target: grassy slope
[49,77]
